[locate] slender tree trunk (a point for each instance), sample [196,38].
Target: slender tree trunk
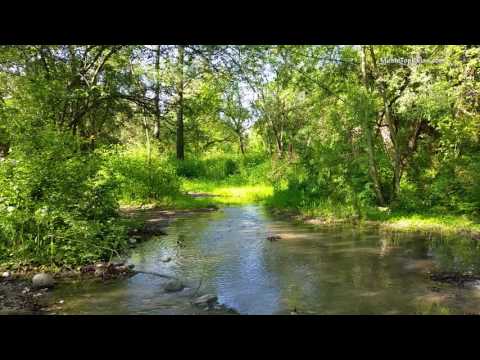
[180,136]
[156,130]
[368,132]
[149,154]
[393,130]
[242,145]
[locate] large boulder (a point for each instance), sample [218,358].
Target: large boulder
[43,280]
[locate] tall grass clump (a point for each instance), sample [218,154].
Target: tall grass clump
[227,168]
[234,179]
[143,177]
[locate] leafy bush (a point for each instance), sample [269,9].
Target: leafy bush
[213,168]
[57,204]
[141,179]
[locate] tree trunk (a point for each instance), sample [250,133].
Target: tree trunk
[180,136]
[156,130]
[368,132]
[242,145]
[393,130]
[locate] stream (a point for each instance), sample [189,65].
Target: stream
[312,270]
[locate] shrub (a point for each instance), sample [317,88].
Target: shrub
[140,179]
[57,205]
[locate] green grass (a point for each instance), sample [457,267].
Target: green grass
[441,224]
[392,221]
[224,194]
[227,193]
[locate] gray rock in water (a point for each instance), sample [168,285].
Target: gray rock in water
[166,259]
[173,286]
[132,241]
[207,299]
[43,280]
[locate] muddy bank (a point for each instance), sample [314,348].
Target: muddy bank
[458,279]
[20,294]
[17,298]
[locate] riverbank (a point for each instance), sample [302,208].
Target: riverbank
[394,222]
[21,294]
[18,295]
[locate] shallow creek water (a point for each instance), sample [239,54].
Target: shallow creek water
[314,270]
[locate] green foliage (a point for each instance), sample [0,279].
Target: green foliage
[213,168]
[336,131]
[250,169]
[140,178]
[57,205]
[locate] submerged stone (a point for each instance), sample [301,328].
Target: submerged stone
[173,286]
[207,299]
[273,238]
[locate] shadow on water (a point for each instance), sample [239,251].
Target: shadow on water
[316,270]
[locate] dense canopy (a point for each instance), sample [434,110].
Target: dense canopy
[347,131]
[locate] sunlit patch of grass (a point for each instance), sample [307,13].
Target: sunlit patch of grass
[228,194]
[215,194]
[448,225]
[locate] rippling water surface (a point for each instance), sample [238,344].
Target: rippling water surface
[323,270]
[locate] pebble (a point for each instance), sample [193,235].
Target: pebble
[6,274]
[132,241]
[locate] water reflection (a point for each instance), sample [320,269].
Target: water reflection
[325,270]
